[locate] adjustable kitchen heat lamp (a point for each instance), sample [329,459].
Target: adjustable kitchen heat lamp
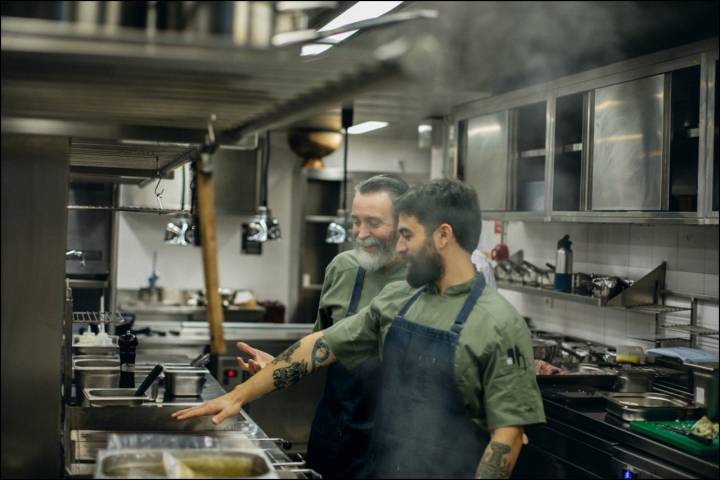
[339,228]
[263,226]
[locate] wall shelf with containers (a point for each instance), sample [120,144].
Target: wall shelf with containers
[646,296]
[633,142]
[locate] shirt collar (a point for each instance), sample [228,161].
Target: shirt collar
[459,289]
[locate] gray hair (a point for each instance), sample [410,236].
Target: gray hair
[392,185]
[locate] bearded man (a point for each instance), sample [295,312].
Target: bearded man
[340,432]
[457,383]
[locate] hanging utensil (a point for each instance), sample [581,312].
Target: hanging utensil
[338,229]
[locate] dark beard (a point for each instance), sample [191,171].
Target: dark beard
[425,267]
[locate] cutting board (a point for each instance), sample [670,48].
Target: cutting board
[652,429]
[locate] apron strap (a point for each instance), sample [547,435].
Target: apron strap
[409,303]
[357,290]
[477,289]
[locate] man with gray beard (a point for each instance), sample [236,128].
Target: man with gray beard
[343,421]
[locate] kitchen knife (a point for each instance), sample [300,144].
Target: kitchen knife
[691,435]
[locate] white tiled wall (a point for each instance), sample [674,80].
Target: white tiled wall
[626,250]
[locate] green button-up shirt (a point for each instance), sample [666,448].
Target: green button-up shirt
[494,370]
[338,286]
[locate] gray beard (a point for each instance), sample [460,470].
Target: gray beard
[373,263]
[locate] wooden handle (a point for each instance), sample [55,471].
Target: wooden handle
[206,210]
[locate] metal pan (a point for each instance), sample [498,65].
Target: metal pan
[649,406]
[114,397]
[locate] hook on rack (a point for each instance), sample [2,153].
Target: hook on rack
[159,194]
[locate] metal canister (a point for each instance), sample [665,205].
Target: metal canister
[563,265]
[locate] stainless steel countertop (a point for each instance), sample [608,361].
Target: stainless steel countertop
[197,333]
[89,426]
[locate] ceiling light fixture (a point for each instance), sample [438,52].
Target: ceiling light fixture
[366,127]
[360,11]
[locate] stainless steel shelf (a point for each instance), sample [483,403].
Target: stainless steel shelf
[159,211]
[82,283]
[538,152]
[574,147]
[657,309]
[319,218]
[692,329]
[112,318]
[549,293]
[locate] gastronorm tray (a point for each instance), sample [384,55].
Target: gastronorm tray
[205,463]
[653,429]
[650,406]
[83,349]
[114,397]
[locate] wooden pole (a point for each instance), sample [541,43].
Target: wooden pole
[206,210]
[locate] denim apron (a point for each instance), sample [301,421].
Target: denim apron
[422,428]
[343,422]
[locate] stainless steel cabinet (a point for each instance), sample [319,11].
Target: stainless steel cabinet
[627,159]
[485,159]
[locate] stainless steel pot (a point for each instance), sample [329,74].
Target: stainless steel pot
[634,380]
[531,274]
[544,349]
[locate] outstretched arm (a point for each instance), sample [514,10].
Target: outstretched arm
[299,360]
[502,452]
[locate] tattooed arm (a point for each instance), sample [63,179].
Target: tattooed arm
[300,359]
[501,453]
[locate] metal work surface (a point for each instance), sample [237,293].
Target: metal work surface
[89,427]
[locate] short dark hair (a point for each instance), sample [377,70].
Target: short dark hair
[445,201]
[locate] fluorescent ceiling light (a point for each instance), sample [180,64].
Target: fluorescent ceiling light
[366,127]
[424,128]
[314,49]
[357,13]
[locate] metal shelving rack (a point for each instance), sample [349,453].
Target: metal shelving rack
[647,296]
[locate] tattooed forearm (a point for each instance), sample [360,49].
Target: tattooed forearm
[320,353]
[285,356]
[288,376]
[494,463]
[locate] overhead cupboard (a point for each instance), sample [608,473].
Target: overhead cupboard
[633,141]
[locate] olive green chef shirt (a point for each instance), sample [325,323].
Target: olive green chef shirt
[338,286]
[494,370]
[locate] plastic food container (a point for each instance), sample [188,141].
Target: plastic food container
[630,354]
